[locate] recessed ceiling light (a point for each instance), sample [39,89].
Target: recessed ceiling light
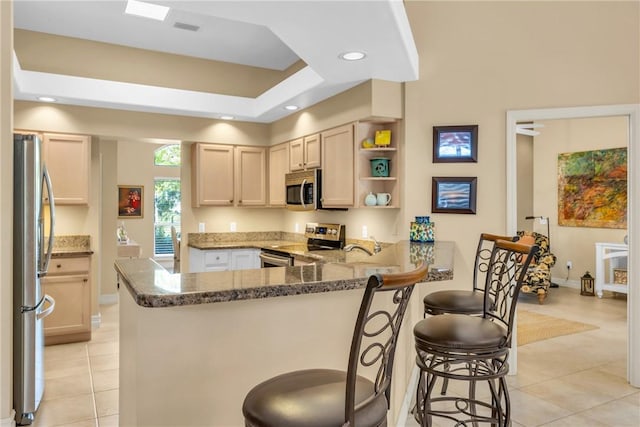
[46,99]
[291,107]
[146,10]
[353,56]
[227,117]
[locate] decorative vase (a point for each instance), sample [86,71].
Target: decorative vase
[380,167]
[370,200]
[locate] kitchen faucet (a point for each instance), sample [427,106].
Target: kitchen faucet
[376,247]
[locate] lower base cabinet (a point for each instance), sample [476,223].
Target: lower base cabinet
[223,259]
[68,282]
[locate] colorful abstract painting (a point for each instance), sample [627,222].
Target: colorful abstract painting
[592,188]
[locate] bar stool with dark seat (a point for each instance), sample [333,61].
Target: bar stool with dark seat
[326,397]
[473,348]
[466,301]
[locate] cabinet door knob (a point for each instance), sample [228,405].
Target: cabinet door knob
[58,265]
[85,280]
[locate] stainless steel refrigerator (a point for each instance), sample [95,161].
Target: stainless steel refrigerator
[31,255]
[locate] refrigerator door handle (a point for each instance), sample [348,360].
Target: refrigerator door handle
[46,181]
[47,311]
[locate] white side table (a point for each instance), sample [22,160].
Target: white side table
[130,249]
[610,256]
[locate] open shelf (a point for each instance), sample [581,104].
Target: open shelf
[373,184]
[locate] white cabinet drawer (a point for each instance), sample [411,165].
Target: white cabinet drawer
[68,265]
[216,257]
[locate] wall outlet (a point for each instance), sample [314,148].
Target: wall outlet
[233,226]
[296,228]
[569,265]
[365,232]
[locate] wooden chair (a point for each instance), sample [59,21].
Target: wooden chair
[326,397]
[176,250]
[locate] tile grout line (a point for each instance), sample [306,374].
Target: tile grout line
[93,391]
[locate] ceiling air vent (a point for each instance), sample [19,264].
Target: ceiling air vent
[188,27]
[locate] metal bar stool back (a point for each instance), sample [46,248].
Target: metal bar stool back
[326,397]
[473,348]
[466,301]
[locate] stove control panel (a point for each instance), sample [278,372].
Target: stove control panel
[320,231]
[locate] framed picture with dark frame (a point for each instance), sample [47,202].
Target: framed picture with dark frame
[130,201]
[453,195]
[453,144]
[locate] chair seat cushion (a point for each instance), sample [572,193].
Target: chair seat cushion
[460,332]
[462,302]
[310,398]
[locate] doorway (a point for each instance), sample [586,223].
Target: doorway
[632,111]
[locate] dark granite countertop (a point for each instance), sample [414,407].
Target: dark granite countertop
[153,286]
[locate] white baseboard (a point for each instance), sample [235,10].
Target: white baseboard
[96,321]
[571,283]
[108,299]
[9,422]
[408,398]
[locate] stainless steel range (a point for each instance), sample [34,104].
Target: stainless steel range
[324,236]
[320,237]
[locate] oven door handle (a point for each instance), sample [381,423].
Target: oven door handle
[275,260]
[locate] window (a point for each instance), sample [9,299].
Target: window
[167,155]
[166,198]
[167,213]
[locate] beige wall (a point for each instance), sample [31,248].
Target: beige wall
[576,244]
[502,56]
[6,213]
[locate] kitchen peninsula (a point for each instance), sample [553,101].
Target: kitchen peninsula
[193,344]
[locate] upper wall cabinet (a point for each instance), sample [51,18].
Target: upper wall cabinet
[305,153]
[251,169]
[386,180]
[278,168]
[338,167]
[68,160]
[224,175]
[211,175]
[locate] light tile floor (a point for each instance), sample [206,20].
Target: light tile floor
[82,379]
[574,380]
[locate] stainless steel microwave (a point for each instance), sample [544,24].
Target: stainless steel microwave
[303,190]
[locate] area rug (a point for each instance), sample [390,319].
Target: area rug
[534,327]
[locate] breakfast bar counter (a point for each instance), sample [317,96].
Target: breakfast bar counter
[193,344]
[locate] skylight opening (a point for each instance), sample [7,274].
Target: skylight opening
[146,10]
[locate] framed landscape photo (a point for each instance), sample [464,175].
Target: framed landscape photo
[453,144]
[130,201]
[453,195]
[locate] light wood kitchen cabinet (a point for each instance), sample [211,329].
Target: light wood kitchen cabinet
[68,282]
[278,168]
[305,153]
[227,175]
[366,183]
[68,159]
[212,175]
[338,167]
[250,178]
